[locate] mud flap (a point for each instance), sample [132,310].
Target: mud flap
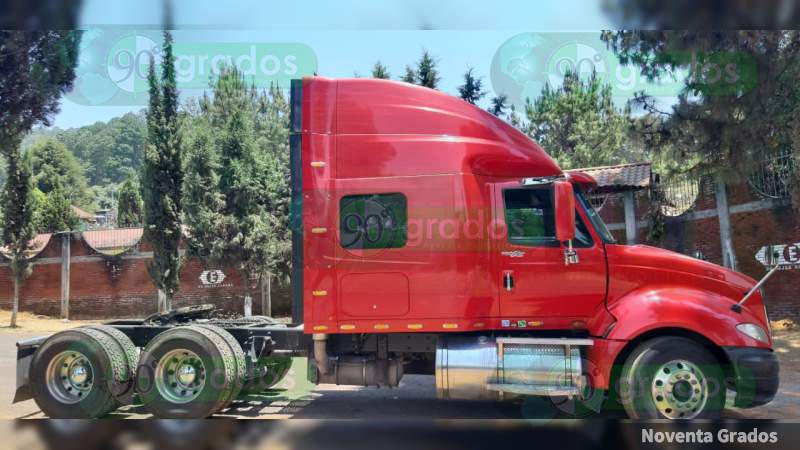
[25,351]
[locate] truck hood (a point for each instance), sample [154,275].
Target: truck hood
[657,264]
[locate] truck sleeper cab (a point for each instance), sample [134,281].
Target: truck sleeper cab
[422,214]
[430,237]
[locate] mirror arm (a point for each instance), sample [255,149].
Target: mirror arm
[738,306]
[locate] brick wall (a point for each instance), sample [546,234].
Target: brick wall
[120,287]
[755,222]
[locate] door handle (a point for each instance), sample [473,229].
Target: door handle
[508,281]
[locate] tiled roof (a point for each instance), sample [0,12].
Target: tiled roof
[624,176]
[113,242]
[38,243]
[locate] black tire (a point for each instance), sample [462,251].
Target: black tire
[217,381]
[672,378]
[124,396]
[239,359]
[108,374]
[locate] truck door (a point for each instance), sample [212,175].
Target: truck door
[536,286]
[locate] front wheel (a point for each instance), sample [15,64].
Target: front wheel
[672,378]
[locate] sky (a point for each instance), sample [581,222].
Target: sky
[336,39]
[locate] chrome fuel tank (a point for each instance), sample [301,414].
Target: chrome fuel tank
[479,368]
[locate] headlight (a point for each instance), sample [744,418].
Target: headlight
[754,331]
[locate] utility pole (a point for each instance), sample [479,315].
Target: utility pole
[65,263]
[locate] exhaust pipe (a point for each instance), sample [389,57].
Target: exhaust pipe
[321,352]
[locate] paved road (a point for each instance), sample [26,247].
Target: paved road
[415,399]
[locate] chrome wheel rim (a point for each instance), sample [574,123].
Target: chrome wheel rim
[679,390]
[70,377]
[180,376]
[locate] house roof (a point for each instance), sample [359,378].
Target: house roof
[83,215]
[620,177]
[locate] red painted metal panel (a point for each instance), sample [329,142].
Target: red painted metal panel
[652,288]
[357,295]
[544,287]
[451,161]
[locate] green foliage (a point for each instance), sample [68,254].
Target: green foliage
[110,152]
[427,74]
[18,212]
[410,76]
[237,173]
[129,205]
[54,212]
[37,67]
[499,105]
[105,196]
[740,97]
[380,71]
[472,89]
[54,164]
[645,143]
[162,176]
[577,123]
[655,217]
[202,200]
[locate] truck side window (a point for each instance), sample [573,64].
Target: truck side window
[530,218]
[373,221]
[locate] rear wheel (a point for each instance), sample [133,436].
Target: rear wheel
[239,359]
[76,373]
[124,389]
[189,372]
[672,378]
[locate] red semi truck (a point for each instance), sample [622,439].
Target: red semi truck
[431,237]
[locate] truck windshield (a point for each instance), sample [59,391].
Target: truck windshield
[595,218]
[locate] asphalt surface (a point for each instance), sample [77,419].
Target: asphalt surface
[414,399]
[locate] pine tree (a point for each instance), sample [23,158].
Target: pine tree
[238,153]
[472,89]
[499,105]
[278,189]
[55,214]
[162,179]
[410,76]
[380,71]
[578,123]
[52,163]
[427,74]
[740,98]
[202,201]
[129,205]
[18,227]
[37,67]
